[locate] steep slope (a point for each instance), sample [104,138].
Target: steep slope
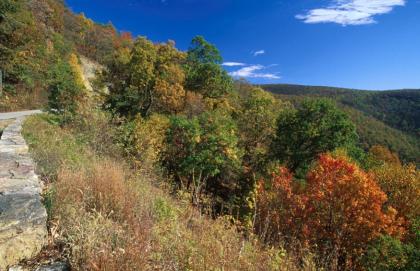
[37,37]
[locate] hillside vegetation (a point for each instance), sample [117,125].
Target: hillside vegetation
[39,39]
[166,163]
[388,118]
[111,217]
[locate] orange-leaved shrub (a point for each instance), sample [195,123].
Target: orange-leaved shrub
[338,212]
[279,207]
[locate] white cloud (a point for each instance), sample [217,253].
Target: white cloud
[252,72]
[259,52]
[350,12]
[233,64]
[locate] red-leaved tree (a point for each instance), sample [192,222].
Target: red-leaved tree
[345,211]
[339,211]
[279,208]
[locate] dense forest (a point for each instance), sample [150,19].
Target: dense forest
[170,164]
[389,118]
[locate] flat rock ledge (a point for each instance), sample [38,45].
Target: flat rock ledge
[23,218]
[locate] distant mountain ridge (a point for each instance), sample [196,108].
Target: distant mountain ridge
[316,88]
[390,117]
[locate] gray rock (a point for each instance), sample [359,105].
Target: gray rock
[57,266]
[23,217]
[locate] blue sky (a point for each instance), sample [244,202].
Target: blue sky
[366,44]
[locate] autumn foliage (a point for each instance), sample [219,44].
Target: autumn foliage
[380,154]
[340,210]
[402,185]
[345,207]
[178,121]
[278,209]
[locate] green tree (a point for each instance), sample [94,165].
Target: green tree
[316,127]
[202,152]
[64,91]
[8,26]
[257,126]
[146,78]
[19,40]
[203,70]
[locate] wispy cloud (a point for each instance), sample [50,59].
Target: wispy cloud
[350,12]
[233,64]
[253,72]
[259,52]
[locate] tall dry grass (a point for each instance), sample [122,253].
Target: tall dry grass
[111,217]
[100,220]
[109,223]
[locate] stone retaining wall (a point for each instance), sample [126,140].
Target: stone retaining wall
[23,217]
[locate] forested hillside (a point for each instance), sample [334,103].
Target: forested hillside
[38,39]
[389,118]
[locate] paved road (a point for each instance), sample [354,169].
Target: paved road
[13,115]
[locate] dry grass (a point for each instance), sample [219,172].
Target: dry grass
[110,217]
[99,219]
[113,223]
[35,98]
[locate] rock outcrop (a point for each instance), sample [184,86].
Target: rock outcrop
[23,217]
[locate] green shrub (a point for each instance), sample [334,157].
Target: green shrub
[64,91]
[386,254]
[163,210]
[203,154]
